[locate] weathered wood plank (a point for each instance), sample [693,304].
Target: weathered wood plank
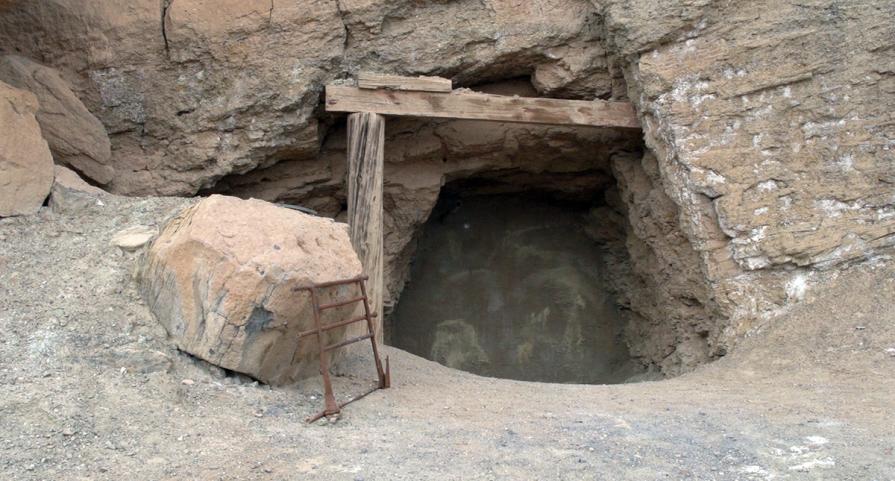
[478,106]
[366,139]
[366,80]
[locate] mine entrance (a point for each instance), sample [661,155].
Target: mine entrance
[432,97]
[504,285]
[513,285]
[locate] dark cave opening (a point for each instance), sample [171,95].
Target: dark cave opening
[513,284]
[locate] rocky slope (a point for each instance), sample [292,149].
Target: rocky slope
[91,388]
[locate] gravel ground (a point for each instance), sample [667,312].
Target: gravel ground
[91,389]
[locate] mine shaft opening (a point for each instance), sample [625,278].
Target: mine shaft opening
[660,313]
[511,278]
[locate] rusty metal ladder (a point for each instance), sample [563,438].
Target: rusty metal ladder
[331,407]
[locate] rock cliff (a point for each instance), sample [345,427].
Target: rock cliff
[768,124]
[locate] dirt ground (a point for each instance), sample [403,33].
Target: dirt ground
[91,389]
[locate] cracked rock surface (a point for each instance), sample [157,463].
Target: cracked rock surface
[770,122]
[222,278]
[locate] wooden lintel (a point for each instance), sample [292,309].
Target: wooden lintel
[367,80]
[479,106]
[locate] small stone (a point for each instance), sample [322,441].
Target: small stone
[68,432]
[133,238]
[188,382]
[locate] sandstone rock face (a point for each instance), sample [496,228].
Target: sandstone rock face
[26,165]
[200,89]
[673,319]
[770,123]
[221,278]
[75,136]
[777,146]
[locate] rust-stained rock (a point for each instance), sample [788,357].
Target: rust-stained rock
[76,138]
[26,165]
[221,278]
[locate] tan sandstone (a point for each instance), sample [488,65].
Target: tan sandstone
[26,165]
[75,136]
[222,277]
[770,123]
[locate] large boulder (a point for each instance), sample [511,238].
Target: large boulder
[76,137]
[26,165]
[222,277]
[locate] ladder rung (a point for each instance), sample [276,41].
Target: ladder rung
[341,303]
[353,280]
[347,342]
[332,326]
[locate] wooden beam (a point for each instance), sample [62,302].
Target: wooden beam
[368,80]
[479,106]
[366,139]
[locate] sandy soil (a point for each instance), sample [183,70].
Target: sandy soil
[90,389]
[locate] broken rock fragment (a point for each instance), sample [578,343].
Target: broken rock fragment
[71,194]
[222,275]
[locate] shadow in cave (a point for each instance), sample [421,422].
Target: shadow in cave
[511,285]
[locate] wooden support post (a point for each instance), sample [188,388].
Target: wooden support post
[366,138]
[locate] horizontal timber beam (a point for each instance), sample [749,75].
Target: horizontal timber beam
[479,106]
